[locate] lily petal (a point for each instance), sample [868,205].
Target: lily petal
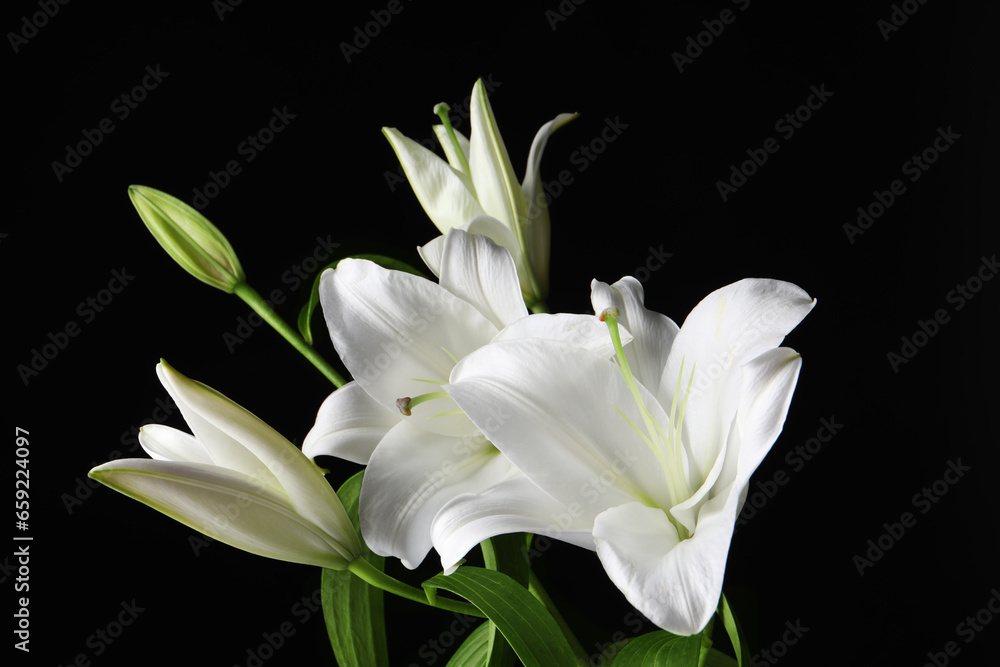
[653,332]
[537,231]
[675,584]
[168,444]
[349,425]
[514,505]
[227,506]
[449,149]
[445,193]
[396,332]
[482,273]
[725,330]
[497,188]
[585,331]
[411,475]
[431,253]
[550,408]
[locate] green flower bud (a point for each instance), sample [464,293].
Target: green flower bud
[187,236]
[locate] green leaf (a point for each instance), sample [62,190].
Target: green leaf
[475,650]
[352,609]
[305,315]
[733,630]
[523,620]
[720,659]
[706,642]
[504,553]
[660,649]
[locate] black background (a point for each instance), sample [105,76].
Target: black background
[653,187]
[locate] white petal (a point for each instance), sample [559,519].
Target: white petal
[168,444]
[725,330]
[504,236]
[398,334]
[431,253]
[653,333]
[412,474]
[229,507]
[584,331]
[514,505]
[550,408]
[482,273]
[278,463]
[537,229]
[443,191]
[675,584]
[498,191]
[349,425]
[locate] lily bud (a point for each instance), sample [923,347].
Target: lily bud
[187,236]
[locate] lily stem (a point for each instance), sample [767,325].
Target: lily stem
[535,588]
[255,301]
[379,579]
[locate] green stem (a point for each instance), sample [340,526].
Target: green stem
[535,588]
[379,579]
[255,301]
[538,307]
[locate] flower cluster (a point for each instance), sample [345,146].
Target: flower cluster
[618,431]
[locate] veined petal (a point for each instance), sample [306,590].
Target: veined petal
[511,506]
[396,331]
[442,190]
[584,331]
[449,149]
[278,463]
[411,475]
[168,444]
[537,227]
[482,273]
[653,333]
[349,425]
[675,584]
[725,330]
[497,188]
[229,507]
[553,410]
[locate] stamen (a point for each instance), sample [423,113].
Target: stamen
[406,404]
[441,110]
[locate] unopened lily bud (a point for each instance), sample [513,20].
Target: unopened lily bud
[187,236]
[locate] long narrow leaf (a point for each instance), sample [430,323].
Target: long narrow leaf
[475,650]
[733,630]
[660,649]
[352,609]
[523,620]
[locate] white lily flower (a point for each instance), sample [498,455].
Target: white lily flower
[478,180]
[236,480]
[654,453]
[400,336]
